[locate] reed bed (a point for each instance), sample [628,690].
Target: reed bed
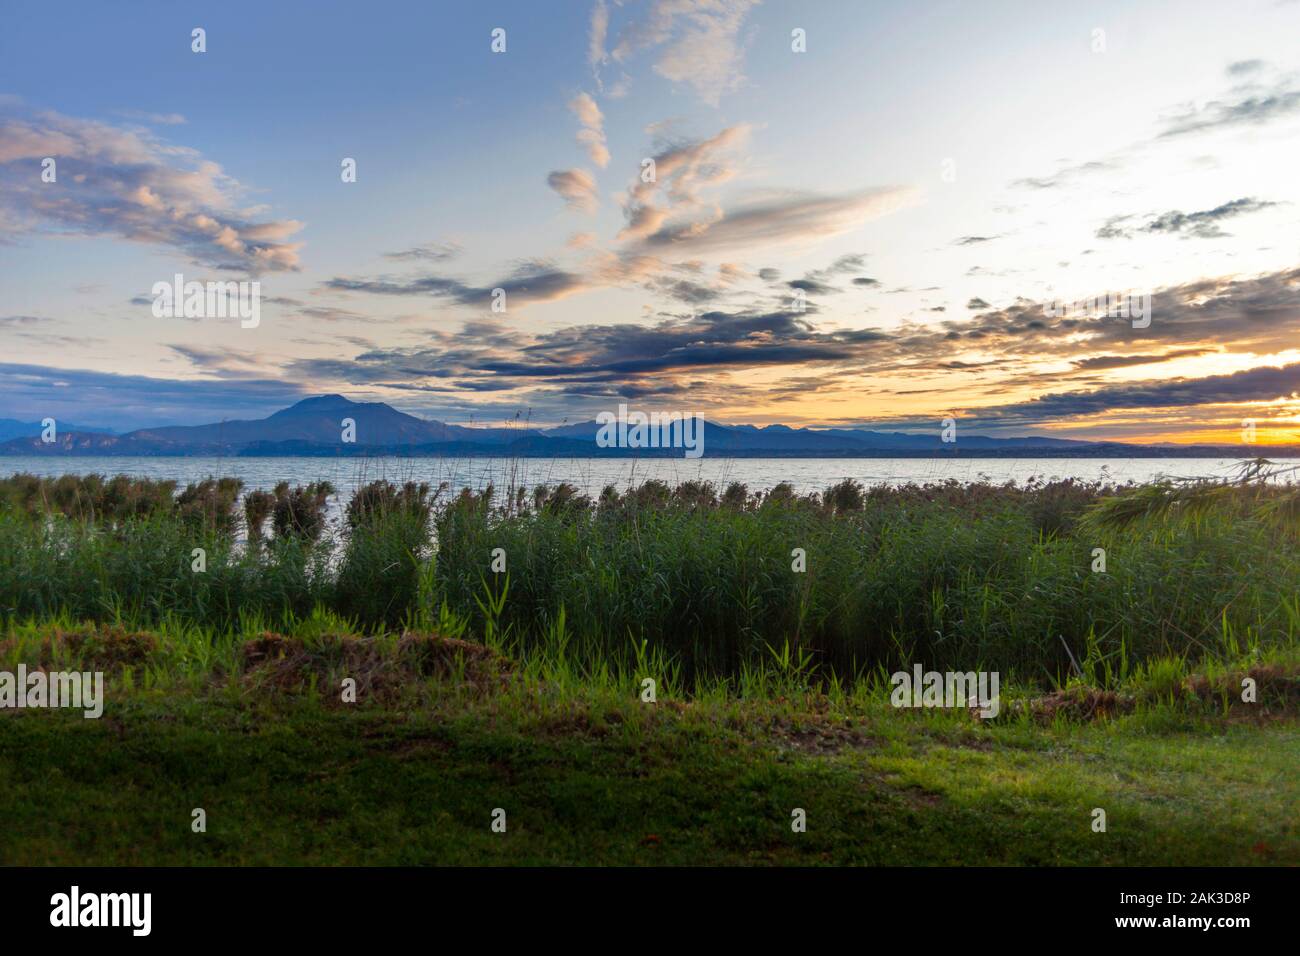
[716,581]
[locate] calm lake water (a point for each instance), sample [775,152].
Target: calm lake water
[592,474]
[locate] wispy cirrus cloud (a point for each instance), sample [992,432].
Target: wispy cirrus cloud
[1249,103]
[155,119]
[428,252]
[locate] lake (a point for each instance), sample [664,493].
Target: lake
[592,474]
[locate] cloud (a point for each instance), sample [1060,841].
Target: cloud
[1245,67]
[680,172]
[787,219]
[1096,362]
[581,359]
[1251,110]
[697,43]
[592,134]
[819,281]
[1067,175]
[1247,104]
[157,119]
[1262,384]
[1199,225]
[814,286]
[533,283]
[125,183]
[973,240]
[669,356]
[429,252]
[707,356]
[977,303]
[330,314]
[599,29]
[685,290]
[126,402]
[577,187]
[1258,314]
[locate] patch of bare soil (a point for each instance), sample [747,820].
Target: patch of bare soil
[818,735]
[381,669]
[1275,686]
[1079,704]
[1277,691]
[102,647]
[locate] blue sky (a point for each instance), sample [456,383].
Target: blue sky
[926,174]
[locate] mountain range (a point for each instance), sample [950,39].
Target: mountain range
[13,428]
[314,427]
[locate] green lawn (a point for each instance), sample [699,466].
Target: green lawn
[597,777]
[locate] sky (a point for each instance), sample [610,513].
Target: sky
[818,214]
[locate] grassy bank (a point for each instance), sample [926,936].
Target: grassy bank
[444,733]
[474,688]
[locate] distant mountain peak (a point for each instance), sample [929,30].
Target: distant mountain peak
[319,403]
